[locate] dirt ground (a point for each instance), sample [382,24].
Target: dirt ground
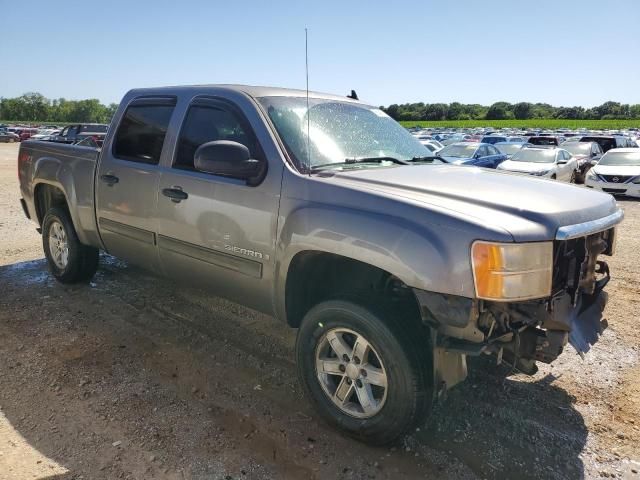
[133,377]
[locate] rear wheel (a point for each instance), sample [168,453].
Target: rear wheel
[69,260]
[367,373]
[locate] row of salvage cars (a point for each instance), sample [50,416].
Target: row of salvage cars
[617,171]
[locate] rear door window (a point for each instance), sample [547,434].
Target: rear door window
[141,132]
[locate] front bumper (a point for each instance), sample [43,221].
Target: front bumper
[627,189]
[587,321]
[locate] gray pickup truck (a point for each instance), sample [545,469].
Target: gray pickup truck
[324,212]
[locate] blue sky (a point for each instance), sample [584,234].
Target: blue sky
[563,52]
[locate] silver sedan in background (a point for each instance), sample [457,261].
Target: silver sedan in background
[8,137]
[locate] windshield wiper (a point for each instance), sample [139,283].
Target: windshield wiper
[428,158]
[352,161]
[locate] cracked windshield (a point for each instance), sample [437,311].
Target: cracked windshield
[339,133]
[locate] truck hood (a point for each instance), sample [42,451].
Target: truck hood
[528,208]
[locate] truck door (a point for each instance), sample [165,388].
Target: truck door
[216,231]
[127,182]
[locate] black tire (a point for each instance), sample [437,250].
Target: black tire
[82,260]
[573,178]
[403,346]
[553,177]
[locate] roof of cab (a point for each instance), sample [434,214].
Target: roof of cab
[251,90]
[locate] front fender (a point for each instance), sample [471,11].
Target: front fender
[433,259]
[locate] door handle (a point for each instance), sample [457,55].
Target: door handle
[176,194]
[109,179]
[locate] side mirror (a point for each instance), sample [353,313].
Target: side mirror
[594,162]
[227,158]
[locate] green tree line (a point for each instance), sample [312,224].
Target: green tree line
[509,111]
[34,107]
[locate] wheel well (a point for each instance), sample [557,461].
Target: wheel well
[317,276]
[47,196]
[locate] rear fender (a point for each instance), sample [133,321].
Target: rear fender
[63,175]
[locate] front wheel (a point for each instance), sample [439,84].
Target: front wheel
[69,260]
[573,177]
[368,374]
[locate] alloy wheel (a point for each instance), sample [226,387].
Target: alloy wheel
[351,373]
[58,245]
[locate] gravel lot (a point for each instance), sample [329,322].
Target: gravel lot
[132,377]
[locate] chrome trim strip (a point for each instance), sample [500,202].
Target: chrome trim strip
[134,233]
[583,229]
[212,257]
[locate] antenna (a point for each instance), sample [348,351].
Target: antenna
[306,66]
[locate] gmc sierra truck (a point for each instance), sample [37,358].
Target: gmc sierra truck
[324,212]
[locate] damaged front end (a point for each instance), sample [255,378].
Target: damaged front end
[522,333]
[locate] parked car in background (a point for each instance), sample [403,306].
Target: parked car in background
[586,154]
[75,133]
[433,146]
[544,140]
[617,172]
[26,133]
[509,148]
[45,134]
[455,138]
[550,162]
[8,137]
[607,142]
[471,153]
[493,139]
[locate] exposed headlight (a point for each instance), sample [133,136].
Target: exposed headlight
[591,175]
[512,271]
